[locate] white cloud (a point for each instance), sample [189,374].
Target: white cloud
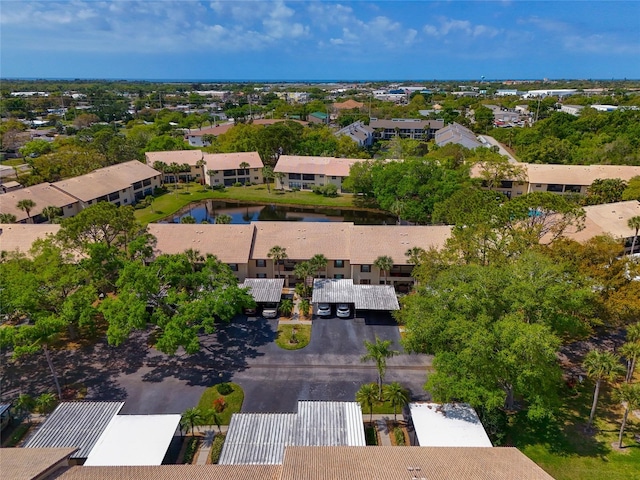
[448,26]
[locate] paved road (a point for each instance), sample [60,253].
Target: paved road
[329,368]
[501,149]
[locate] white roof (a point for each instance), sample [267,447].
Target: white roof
[448,425]
[134,440]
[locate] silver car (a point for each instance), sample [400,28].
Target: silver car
[324,310]
[343,311]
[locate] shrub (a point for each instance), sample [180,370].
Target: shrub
[237,184]
[219,405]
[305,306]
[190,451]
[328,190]
[399,436]
[216,447]
[224,388]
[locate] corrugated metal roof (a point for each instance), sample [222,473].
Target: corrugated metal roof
[75,424]
[261,438]
[265,290]
[364,297]
[4,407]
[330,290]
[257,438]
[375,297]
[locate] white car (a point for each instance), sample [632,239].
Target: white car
[343,310]
[324,310]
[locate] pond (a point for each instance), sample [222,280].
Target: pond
[247,213]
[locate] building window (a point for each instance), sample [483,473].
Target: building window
[295,176]
[572,188]
[146,182]
[333,178]
[261,275]
[338,263]
[555,187]
[114,196]
[308,176]
[69,207]
[295,185]
[137,185]
[365,281]
[233,267]
[506,184]
[261,263]
[229,173]
[338,276]
[365,268]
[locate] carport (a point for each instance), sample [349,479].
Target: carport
[363,297]
[266,292]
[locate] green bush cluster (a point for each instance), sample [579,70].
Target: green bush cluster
[216,447]
[190,451]
[328,190]
[399,437]
[224,388]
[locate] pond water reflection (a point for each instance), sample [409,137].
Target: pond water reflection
[246,213]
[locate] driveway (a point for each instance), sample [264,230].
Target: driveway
[244,351]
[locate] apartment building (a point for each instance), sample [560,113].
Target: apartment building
[406,128]
[120,184]
[456,133]
[191,158]
[560,178]
[43,195]
[227,169]
[305,173]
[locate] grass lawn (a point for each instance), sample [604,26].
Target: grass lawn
[233,400]
[174,200]
[303,336]
[13,162]
[567,451]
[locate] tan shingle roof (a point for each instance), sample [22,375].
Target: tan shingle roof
[106,180]
[28,463]
[230,243]
[176,472]
[348,104]
[369,242]
[190,157]
[577,174]
[303,239]
[338,167]
[21,236]
[43,194]
[393,463]
[232,161]
[609,218]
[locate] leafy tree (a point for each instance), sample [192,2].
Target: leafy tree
[25,405]
[397,395]
[223,218]
[608,190]
[269,176]
[192,417]
[415,255]
[35,148]
[304,307]
[629,396]
[360,179]
[286,307]
[495,168]
[384,264]
[366,396]
[318,263]
[305,271]
[379,352]
[51,212]
[46,403]
[277,254]
[631,350]
[8,218]
[634,224]
[600,366]
[187,219]
[181,299]
[632,192]
[26,205]
[484,118]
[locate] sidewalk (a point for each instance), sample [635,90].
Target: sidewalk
[208,433]
[295,315]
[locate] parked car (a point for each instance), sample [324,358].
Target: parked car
[324,310]
[343,311]
[270,310]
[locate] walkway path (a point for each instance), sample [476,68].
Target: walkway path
[208,435]
[383,433]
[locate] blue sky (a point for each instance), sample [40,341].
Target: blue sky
[319,40]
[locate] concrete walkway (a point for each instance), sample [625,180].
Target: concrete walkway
[208,434]
[383,433]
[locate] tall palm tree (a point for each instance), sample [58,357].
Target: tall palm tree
[280,176]
[277,254]
[243,169]
[268,176]
[26,205]
[192,417]
[318,262]
[25,404]
[379,352]
[385,264]
[629,395]
[366,396]
[211,174]
[631,349]
[397,395]
[634,223]
[304,270]
[600,366]
[46,402]
[51,212]
[7,218]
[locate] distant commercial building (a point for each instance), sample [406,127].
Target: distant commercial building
[572,109]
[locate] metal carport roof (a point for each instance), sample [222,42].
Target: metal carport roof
[75,424]
[364,297]
[265,290]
